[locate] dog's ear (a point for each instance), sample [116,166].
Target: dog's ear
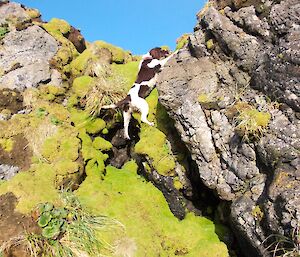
[158,53]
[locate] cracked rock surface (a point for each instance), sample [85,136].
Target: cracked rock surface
[252,59]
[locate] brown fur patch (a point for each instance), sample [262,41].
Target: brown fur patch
[144,91]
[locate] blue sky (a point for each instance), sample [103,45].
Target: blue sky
[131,24]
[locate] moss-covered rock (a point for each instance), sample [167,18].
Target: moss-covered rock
[118,54]
[150,225]
[153,142]
[101,144]
[182,41]
[57,25]
[82,85]
[32,187]
[67,52]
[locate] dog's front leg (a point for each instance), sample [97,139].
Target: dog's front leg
[126,117]
[164,61]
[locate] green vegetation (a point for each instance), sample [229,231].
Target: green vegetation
[67,52]
[209,44]
[182,41]
[127,72]
[3,31]
[118,54]
[153,142]
[6,144]
[81,85]
[258,213]
[101,144]
[251,123]
[67,231]
[66,141]
[285,246]
[151,229]
[33,13]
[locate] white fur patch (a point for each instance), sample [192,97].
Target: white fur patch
[153,63]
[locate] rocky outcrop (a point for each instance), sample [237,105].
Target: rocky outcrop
[25,57]
[233,93]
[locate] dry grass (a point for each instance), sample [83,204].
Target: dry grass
[284,246]
[105,92]
[125,247]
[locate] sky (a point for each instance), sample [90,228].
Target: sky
[135,25]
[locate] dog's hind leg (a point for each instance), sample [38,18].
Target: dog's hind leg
[144,109]
[126,117]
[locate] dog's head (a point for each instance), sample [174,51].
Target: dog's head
[158,53]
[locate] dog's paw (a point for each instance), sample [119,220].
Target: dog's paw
[127,137]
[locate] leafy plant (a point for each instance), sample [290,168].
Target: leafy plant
[55,121]
[67,231]
[41,112]
[3,31]
[51,220]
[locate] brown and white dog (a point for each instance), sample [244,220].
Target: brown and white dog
[150,65]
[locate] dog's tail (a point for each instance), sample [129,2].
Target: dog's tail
[110,106]
[121,104]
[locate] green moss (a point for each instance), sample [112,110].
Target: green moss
[63,145]
[67,52]
[182,41]
[101,144]
[204,98]
[209,100]
[49,92]
[258,213]
[127,73]
[144,211]
[3,31]
[32,187]
[153,142]
[82,120]
[165,48]
[66,166]
[6,144]
[118,54]
[72,100]
[105,131]
[95,126]
[251,123]
[57,25]
[177,183]
[93,157]
[82,85]
[209,44]
[79,64]
[88,150]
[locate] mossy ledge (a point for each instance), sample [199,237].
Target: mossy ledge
[151,227]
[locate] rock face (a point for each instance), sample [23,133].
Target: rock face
[25,57]
[243,60]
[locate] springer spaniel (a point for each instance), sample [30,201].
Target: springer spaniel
[150,65]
